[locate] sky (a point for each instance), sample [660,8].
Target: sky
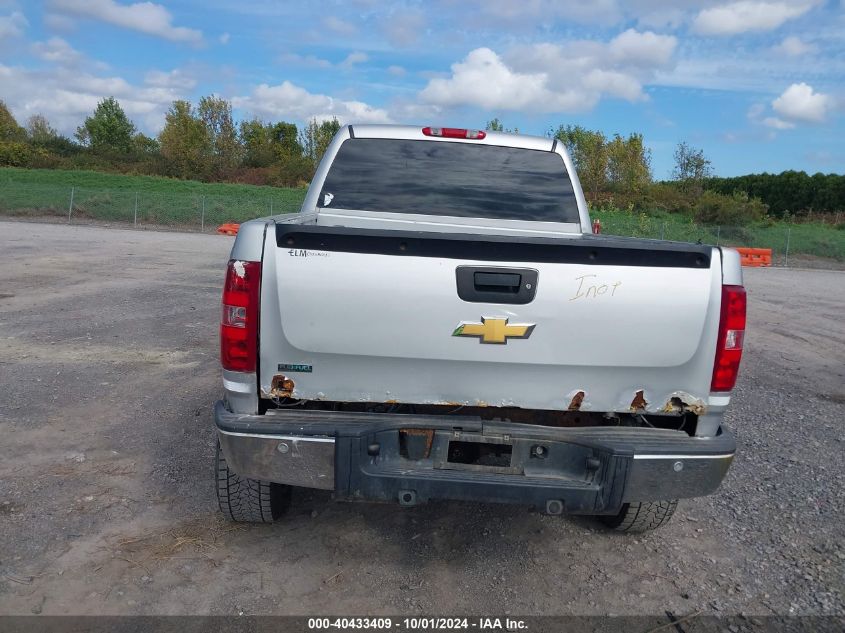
[758,85]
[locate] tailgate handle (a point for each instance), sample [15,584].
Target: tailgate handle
[497,282]
[487,284]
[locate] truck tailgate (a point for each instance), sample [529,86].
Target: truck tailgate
[368,315]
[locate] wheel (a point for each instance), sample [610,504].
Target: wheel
[642,516]
[248,500]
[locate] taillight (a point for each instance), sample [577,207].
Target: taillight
[454,132]
[731,335]
[239,322]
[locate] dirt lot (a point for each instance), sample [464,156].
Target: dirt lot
[108,371]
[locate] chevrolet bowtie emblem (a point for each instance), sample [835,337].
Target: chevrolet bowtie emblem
[494,330]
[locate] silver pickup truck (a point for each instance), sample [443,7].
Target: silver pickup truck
[439,322]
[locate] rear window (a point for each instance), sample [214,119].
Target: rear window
[451,179]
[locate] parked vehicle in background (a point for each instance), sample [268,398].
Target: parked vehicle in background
[439,322]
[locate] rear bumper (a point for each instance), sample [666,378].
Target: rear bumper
[410,459]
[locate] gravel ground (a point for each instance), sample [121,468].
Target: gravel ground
[108,371]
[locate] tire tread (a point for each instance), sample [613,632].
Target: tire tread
[642,516]
[246,500]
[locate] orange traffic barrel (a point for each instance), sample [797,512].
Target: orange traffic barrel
[228,229]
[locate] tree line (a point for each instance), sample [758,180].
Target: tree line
[204,142]
[789,193]
[201,142]
[616,172]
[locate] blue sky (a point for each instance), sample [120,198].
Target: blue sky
[759,85]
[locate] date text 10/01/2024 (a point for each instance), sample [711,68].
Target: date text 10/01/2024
[418,624]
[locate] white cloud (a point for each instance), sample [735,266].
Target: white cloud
[289,101]
[749,15]
[778,124]
[800,102]
[413,111]
[483,79]
[551,78]
[794,47]
[176,79]
[353,58]
[146,17]
[642,49]
[396,71]
[13,25]
[615,84]
[67,98]
[56,51]
[224,38]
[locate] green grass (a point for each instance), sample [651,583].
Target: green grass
[813,239]
[165,201]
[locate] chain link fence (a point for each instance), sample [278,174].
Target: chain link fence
[141,209]
[799,244]
[808,244]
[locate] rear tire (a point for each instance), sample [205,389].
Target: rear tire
[641,516]
[248,500]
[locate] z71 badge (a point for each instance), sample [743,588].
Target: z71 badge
[494,330]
